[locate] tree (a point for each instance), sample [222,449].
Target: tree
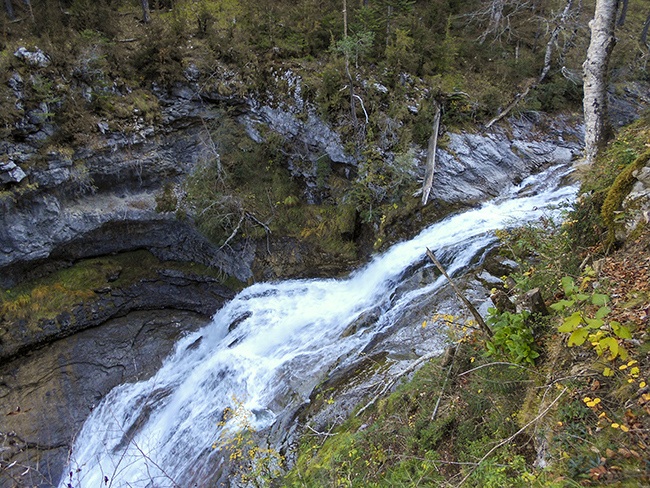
[597,126]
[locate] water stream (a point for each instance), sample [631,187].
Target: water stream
[269,347]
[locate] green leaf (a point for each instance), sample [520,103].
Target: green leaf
[578,337]
[562,304]
[571,323]
[608,372]
[581,296]
[602,312]
[568,285]
[622,331]
[599,299]
[594,323]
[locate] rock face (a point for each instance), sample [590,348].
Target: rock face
[170,290]
[46,395]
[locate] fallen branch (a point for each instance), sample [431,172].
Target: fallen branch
[518,99]
[512,436]
[484,327]
[431,158]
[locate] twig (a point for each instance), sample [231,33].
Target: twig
[484,327]
[512,436]
[319,433]
[498,363]
[363,107]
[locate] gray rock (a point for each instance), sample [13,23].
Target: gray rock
[10,173]
[36,58]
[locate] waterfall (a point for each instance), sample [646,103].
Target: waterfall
[269,347]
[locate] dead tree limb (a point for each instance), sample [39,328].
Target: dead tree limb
[431,158]
[516,101]
[484,327]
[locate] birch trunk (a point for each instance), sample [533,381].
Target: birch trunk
[597,126]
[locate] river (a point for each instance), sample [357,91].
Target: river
[270,347]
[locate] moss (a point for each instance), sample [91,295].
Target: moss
[619,190]
[65,289]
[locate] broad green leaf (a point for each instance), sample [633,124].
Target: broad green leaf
[578,337]
[570,323]
[622,331]
[580,296]
[594,323]
[562,304]
[599,299]
[568,285]
[602,312]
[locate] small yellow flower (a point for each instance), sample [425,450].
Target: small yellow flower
[472,360]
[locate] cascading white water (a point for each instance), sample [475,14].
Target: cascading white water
[285,337]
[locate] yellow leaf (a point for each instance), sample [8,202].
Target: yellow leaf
[472,360]
[642,384]
[424,324]
[624,428]
[586,399]
[615,425]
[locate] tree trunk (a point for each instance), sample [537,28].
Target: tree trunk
[146,15]
[10,10]
[594,69]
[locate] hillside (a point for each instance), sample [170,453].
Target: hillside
[154,164]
